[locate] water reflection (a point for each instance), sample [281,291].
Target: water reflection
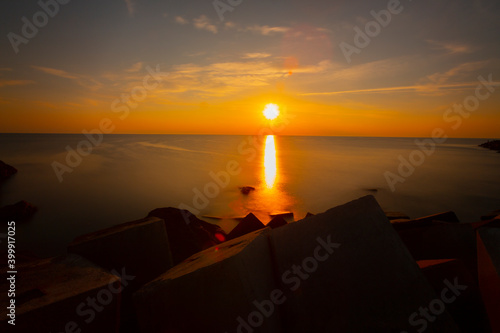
[270,168]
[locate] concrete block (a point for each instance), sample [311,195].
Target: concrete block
[442,240]
[249,224]
[347,270]
[215,290]
[488,252]
[63,294]
[463,301]
[141,246]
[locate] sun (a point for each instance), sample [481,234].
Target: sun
[271,111]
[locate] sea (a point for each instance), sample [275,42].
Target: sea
[81,184]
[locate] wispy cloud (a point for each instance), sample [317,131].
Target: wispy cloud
[266,30]
[457,73]
[256,55]
[135,67]
[181,20]
[83,80]
[203,23]
[130,7]
[6,83]
[451,47]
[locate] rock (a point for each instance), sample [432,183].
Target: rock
[493,145]
[285,215]
[347,270]
[6,171]
[249,224]
[309,214]
[52,296]
[442,240]
[396,215]
[246,189]
[186,233]
[404,224]
[141,247]
[276,222]
[19,212]
[465,305]
[488,257]
[213,291]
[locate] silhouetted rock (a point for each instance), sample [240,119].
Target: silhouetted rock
[488,257]
[347,270]
[186,233]
[6,171]
[285,215]
[209,291]
[493,145]
[404,224]
[309,214]
[140,246]
[246,189]
[396,215]
[18,212]
[53,294]
[442,240]
[249,224]
[464,303]
[277,222]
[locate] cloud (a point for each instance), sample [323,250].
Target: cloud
[203,23]
[256,55]
[135,67]
[82,80]
[6,83]
[130,7]
[457,73]
[181,20]
[266,30]
[55,72]
[450,47]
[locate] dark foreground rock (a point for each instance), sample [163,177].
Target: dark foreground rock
[249,224]
[52,295]
[6,171]
[277,222]
[493,145]
[186,233]
[488,252]
[141,248]
[348,269]
[463,301]
[19,212]
[211,290]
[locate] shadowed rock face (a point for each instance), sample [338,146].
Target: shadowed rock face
[187,234]
[19,212]
[6,171]
[277,222]
[248,224]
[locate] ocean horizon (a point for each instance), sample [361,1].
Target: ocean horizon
[124,176]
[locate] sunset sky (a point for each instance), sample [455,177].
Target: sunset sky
[217,76]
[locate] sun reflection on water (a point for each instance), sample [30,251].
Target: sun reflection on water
[270,167]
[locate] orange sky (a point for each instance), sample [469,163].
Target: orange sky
[217,76]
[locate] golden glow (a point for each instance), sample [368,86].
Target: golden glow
[270,162]
[271,111]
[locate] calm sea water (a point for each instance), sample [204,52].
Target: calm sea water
[126,176]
